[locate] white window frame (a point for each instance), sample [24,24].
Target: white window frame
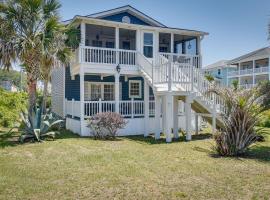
[89,83]
[140,89]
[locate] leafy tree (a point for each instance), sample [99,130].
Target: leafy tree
[209,77]
[11,104]
[29,31]
[13,76]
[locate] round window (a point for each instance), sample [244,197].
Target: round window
[126,19]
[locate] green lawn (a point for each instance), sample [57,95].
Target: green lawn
[130,168]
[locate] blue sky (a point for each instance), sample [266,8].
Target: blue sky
[235,27]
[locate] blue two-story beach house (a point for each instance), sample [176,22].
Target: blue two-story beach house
[131,64]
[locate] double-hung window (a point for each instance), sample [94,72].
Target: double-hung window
[148,45]
[135,88]
[96,91]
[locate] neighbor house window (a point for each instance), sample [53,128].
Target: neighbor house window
[134,89]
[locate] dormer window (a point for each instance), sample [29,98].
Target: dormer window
[126,19]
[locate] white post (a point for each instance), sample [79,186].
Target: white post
[253,75]
[172,43]
[168,117]
[82,98]
[82,44]
[175,117]
[214,119]
[163,114]
[188,117]
[72,108]
[117,92]
[196,124]
[64,107]
[132,107]
[157,116]
[170,64]
[146,108]
[117,44]
[99,105]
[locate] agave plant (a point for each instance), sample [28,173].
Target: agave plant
[37,126]
[243,110]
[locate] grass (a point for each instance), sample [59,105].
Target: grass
[130,168]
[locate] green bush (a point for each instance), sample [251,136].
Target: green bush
[11,105]
[265,119]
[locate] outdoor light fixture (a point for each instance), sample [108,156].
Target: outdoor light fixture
[118,68]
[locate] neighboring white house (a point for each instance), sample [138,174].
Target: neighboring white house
[131,64]
[250,68]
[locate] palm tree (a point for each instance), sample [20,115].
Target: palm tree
[60,41]
[244,108]
[22,36]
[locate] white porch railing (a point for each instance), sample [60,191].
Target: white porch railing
[261,70]
[97,55]
[133,108]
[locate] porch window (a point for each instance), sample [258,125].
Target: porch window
[99,36]
[127,39]
[108,92]
[148,45]
[98,90]
[95,92]
[135,89]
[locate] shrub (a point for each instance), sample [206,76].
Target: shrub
[11,104]
[105,125]
[38,127]
[265,119]
[243,111]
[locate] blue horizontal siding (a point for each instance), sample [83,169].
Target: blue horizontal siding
[72,87]
[118,18]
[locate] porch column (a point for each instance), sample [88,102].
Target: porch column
[188,117]
[157,116]
[82,99]
[117,44]
[214,115]
[82,34]
[117,93]
[253,75]
[172,43]
[175,117]
[196,124]
[168,116]
[163,100]
[146,108]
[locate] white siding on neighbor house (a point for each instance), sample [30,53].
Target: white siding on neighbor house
[58,91]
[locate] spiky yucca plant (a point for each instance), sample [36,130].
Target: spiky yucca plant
[243,110]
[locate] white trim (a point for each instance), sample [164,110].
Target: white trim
[101,89]
[129,10]
[136,26]
[140,89]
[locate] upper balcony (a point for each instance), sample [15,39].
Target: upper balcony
[105,47]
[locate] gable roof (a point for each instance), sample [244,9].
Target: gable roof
[218,64]
[129,9]
[250,56]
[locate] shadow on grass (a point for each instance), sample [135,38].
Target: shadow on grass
[8,138]
[66,134]
[260,153]
[151,139]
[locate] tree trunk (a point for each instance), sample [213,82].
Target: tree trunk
[32,89]
[44,99]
